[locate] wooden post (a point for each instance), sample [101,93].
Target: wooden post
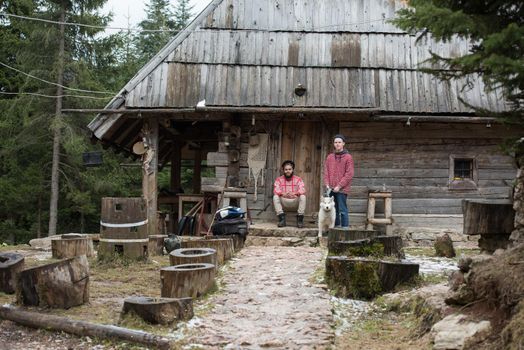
[188,280]
[176,182]
[197,171]
[388,213]
[371,213]
[150,173]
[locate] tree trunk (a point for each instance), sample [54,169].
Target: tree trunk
[156,245]
[193,256]
[353,278]
[394,273]
[350,248]
[81,328]
[63,284]
[10,265]
[190,280]
[392,245]
[223,247]
[70,246]
[159,310]
[488,217]
[56,127]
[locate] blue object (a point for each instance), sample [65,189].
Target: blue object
[342,218]
[229,213]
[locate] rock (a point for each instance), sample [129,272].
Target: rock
[464,264]
[454,331]
[462,296]
[456,280]
[444,246]
[42,243]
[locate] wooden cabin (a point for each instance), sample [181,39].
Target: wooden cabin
[251,83]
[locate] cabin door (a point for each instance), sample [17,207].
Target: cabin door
[302,143]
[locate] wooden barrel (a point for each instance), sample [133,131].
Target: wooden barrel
[223,247]
[193,256]
[129,248]
[188,280]
[159,310]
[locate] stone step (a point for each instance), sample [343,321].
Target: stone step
[271,230]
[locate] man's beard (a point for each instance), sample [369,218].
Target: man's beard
[288,177]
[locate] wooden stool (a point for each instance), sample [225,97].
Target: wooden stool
[387,220]
[240,194]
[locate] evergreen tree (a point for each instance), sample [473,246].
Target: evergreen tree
[496,31]
[183,13]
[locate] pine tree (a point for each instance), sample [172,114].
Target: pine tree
[496,31]
[183,13]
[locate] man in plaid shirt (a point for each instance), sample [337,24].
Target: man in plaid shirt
[289,193]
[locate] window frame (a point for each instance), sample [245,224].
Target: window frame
[463,184]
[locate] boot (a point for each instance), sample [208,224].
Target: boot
[300,221]
[281,220]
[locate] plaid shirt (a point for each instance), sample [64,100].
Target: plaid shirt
[295,186]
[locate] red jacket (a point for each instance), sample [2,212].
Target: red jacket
[339,171]
[295,186]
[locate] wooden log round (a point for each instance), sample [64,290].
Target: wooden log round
[340,234]
[353,277]
[393,273]
[188,280]
[128,248]
[223,246]
[63,284]
[193,256]
[488,217]
[71,245]
[156,245]
[159,310]
[10,265]
[359,247]
[393,245]
[82,328]
[238,241]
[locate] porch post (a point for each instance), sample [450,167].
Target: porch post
[197,172]
[150,173]
[176,182]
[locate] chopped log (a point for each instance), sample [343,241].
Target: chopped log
[129,248]
[188,280]
[159,310]
[353,277]
[340,234]
[71,245]
[193,256]
[238,241]
[63,284]
[359,247]
[223,246]
[394,273]
[82,328]
[392,245]
[10,265]
[488,217]
[156,245]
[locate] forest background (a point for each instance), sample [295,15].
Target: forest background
[94,66]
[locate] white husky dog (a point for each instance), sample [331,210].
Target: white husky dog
[326,214]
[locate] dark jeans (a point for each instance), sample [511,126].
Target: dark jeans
[342,218]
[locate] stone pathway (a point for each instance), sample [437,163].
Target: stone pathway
[267,301]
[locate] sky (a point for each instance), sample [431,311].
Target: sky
[135,10]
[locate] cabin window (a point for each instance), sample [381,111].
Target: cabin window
[462,172]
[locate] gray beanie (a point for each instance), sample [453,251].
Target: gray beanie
[339,136]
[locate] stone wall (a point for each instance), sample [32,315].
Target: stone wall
[518,204]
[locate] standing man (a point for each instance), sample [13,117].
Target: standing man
[338,174]
[290,193]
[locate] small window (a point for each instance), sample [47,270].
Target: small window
[118,207]
[462,172]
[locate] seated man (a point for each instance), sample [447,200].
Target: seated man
[289,193]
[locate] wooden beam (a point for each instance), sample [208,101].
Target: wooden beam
[434,119]
[150,174]
[197,171]
[229,109]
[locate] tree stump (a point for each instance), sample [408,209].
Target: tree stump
[444,246]
[159,310]
[392,274]
[223,247]
[488,217]
[156,245]
[188,280]
[193,256]
[129,248]
[352,278]
[238,241]
[392,245]
[71,245]
[58,285]
[10,265]
[359,247]
[339,234]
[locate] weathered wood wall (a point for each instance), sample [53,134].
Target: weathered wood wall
[414,162]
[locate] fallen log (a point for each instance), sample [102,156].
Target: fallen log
[159,310]
[63,284]
[10,265]
[81,328]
